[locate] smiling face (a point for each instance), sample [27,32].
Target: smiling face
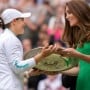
[18,26]
[73,21]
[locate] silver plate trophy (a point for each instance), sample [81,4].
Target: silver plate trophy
[53,63]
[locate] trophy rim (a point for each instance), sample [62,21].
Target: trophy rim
[48,71]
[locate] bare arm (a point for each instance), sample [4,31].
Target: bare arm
[83,56]
[70,52]
[72,72]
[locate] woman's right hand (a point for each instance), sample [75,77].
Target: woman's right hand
[46,51]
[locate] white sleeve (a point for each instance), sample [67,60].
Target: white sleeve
[13,51]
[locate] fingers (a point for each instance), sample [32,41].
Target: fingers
[46,46]
[58,50]
[50,47]
[53,49]
[47,50]
[67,52]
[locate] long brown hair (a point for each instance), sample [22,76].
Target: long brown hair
[77,34]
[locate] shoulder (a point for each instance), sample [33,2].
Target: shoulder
[85,48]
[85,45]
[8,37]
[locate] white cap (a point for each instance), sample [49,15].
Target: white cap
[9,15]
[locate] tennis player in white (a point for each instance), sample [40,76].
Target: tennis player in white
[12,65]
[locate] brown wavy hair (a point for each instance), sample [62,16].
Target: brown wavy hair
[77,34]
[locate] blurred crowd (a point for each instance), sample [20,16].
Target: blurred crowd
[46,25]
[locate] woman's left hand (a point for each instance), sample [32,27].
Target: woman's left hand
[70,52]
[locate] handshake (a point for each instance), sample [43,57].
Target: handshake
[53,49]
[65,52]
[48,50]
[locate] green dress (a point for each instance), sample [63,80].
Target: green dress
[83,80]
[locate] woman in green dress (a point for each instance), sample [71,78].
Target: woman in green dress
[77,35]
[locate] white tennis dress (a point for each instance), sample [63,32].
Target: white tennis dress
[12,65]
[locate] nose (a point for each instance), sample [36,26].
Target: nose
[23,22]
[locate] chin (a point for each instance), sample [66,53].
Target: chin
[21,33]
[72,25]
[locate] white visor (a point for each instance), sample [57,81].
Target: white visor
[9,15]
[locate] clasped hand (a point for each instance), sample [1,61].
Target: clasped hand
[47,50]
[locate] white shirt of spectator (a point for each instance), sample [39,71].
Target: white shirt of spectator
[12,65]
[1,31]
[47,84]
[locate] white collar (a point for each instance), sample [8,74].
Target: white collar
[7,30]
